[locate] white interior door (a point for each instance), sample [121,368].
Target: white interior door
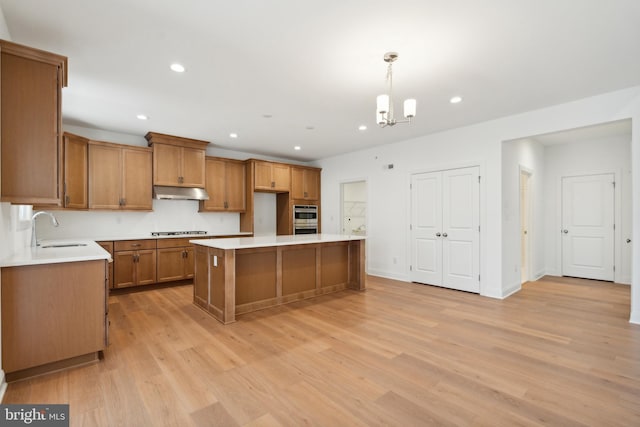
[426,228]
[445,239]
[588,204]
[460,233]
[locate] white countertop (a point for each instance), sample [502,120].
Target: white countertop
[43,255]
[267,241]
[143,236]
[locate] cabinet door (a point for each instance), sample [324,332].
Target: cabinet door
[235,187]
[189,263]
[193,167]
[136,179]
[167,163]
[281,177]
[146,267]
[104,176]
[75,172]
[171,263]
[124,267]
[263,179]
[305,184]
[297,183]
[30,150]
[311,184]
[215,185]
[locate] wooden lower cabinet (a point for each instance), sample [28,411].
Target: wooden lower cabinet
[53,315]
[133,268]
[108,246]
[134,263]
[175,264]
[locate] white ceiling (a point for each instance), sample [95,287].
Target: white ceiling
[319,64]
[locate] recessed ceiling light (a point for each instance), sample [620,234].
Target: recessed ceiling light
[178,68]
[142,117]
[455,99]
[310,128]
[233,135]
[267,116]
[297,148]
[362,127]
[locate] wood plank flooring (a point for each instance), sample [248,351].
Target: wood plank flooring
[560,352]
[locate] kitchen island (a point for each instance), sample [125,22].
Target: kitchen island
[240,275]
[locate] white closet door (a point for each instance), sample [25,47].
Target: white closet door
[426,223]
[460,234]
[445,240]
[587,226]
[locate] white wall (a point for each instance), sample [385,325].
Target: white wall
[265,222]
[388,190]
[611,155]
[529,155]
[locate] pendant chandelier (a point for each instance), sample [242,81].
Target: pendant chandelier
[384,110]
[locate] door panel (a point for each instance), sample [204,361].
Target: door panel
[460,221]
[587,226]
[426,220]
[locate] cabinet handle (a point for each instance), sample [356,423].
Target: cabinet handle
[444,234]
[438,234]
[226,205]
[273,184]
[136,245]
[306,194]
[67,200]
[181,179]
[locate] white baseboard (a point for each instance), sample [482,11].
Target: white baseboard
[635,317]
[3,385]
[539,275]
[389,275]
[511,290]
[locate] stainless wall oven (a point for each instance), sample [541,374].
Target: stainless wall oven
[305,219]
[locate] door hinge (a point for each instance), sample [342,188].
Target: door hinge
[410,268]
[614,184]
[478,277]
[478,229]
[410,226]
[614,268]
[410,186]
[478,178]
[614,226]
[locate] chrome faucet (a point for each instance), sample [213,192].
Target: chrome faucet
[54,221]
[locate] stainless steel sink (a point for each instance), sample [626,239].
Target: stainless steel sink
[63,245]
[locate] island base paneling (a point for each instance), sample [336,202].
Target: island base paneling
[236,281]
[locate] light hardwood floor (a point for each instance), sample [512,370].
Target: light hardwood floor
[560,352]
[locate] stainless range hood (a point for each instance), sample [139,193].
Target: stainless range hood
[179,193]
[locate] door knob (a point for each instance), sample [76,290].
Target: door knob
[628,240]
[444,234]
[565,231]
[438,234]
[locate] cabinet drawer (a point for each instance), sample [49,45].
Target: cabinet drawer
[173,243]
[133,245]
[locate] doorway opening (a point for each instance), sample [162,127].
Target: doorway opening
[354,208]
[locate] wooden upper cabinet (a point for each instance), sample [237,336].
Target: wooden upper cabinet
[31,84]
[177,161]
[269,176]
[305,183]
[119,177]
[75,171]
[225,184]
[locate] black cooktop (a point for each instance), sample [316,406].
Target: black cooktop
[175,233]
